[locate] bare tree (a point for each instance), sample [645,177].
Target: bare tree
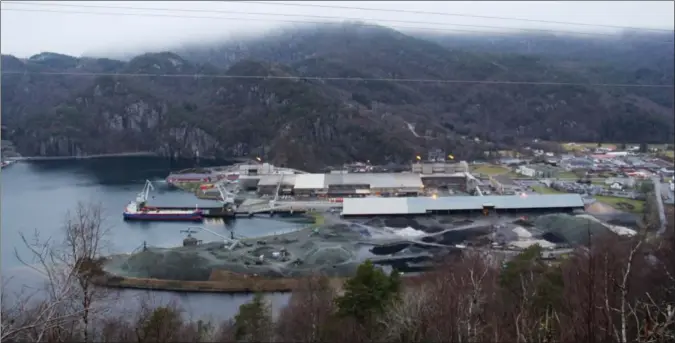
[449,303]
[308,314]
[403,321]
[70,267]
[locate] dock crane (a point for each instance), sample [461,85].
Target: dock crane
[273,202]
[226,196]
[230,243]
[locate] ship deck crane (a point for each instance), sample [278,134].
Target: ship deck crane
[142,197]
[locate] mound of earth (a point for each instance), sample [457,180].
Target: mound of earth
[573,230]
[461,236]
[168,264]
[394,248]
[328,256]
[400,223]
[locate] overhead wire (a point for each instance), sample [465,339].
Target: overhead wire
[276,3]
[321,78]
[280,77]
[192,10]
[236,19]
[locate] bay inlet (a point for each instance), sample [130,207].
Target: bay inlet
[37,195]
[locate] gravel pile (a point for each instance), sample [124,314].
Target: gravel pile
[570,229]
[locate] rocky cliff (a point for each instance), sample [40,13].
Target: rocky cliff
[61,105]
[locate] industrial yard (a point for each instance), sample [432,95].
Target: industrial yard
[405,220]
[336,248]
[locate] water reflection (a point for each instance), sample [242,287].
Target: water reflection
[206,306]
[37,195]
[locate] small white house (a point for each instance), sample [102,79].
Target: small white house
[527,171]
[616,186]
[617,153]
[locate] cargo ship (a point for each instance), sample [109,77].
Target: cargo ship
[138,211]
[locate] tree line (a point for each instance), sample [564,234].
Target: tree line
[615,289]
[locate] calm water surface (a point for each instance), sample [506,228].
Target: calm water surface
[38,195]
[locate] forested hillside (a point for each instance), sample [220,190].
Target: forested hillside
[153,104]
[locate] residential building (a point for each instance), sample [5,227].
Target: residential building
[526,171]
[537,170]
[578,163]
[616,186]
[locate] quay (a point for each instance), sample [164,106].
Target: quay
[257,206]
[207,212]
[84,157]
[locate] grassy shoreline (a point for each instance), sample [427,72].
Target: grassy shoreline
[237,284]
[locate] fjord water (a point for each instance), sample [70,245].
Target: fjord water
[38,195]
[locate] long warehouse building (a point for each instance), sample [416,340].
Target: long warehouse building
[361,184]
[338,185]
[448,205]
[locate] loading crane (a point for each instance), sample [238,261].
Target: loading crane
[273,202]
[226,196]
[230,243]
[189,240]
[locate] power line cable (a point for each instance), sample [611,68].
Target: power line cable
[265,20]
[313,16]
[290,77]
[357,79]
[448,15]
[234,19]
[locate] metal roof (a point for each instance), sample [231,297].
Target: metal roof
[273,180]
[375,180]
[420,205]
[310,181]
[383,206]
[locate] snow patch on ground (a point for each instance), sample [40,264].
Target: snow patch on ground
[619,230]
[522,232]
[392,233]
[526,243]
[410,232]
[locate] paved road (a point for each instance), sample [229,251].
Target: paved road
[659,203]
[666,193]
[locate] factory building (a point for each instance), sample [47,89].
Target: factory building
[439,167]
[256,169]
[269,184]
[250,174]
[448,205]
[345,185]
[458,181]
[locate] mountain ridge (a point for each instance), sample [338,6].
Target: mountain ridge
[311,122]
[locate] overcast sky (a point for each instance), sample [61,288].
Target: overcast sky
[165,24]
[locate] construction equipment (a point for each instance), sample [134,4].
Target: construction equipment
[230,243]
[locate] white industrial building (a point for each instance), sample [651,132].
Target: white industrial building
[347,184]
[373,206]
[440,167]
